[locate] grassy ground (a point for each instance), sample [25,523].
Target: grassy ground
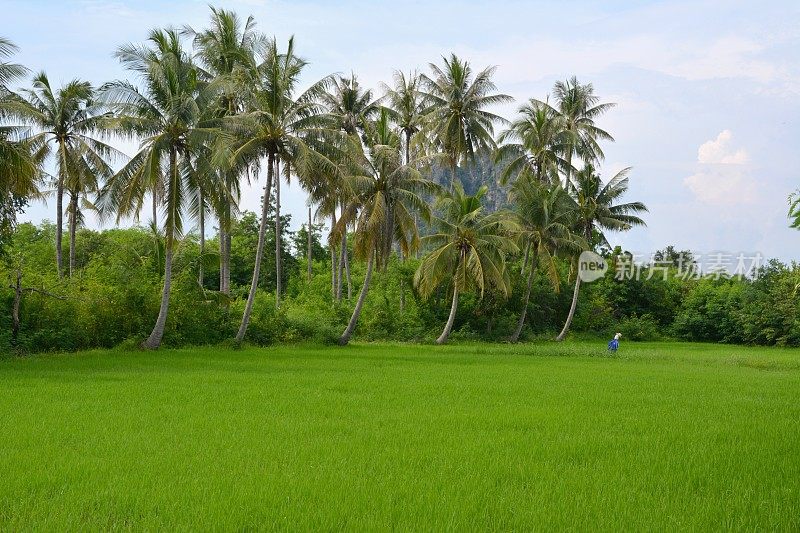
[662,436]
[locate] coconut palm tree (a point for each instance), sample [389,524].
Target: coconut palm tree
[407,106]
[226,56]
[279,126]
[167,116]
[469,248]
[349,108]
[532,145]
[597,211]
[545,216]
[458,123]
[19,167]
[578,107]
[385,194]
[794,210]
[65,121]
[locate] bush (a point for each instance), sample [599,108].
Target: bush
[640,328]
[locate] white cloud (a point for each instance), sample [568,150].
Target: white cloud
[722,177]
[717,151]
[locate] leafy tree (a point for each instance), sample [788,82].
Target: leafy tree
[469,248]
[578,107]
[458,123]
[407,107]
[385,196]
[794,210]
[598,211]
[66,120]
[168,117]
[533,144]
[279,125]
[19,166]
[226,53]
[545,215]
[349,109]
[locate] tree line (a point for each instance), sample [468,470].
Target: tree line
[217,108]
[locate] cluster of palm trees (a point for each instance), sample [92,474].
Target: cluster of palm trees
[232,110]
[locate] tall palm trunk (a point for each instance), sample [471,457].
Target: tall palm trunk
[571,308]
[278,273]
[568,175]
[334,269]
[154,340]
[262,230]
[351,326]
[448,327]
[227,280]
[155,210]
[308,250]
[340,273]
[527,255]
[59,226]
[221,258]
[346,260]
[521,322]
[202,237]
[73,225]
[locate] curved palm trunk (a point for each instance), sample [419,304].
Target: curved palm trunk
[568,176]
[221,258]
[59,226]
[202,238]
[308,251]
[227,279]
[155,210]
[572,307]
[521,321]
[334,269]
[351,326]
[402,287]
[262,230]
[340,274]
[450,320]
[154,340]
[278,272]
[73,226]
[346,260]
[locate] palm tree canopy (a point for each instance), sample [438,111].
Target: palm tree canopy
[9,71]
[64,124]
[167,116]
[383,193]
[469,246]
[279,122]
[794,210]
[458,121]
[406,103]
[546,217]
[19,164]
[349,106]
[533,145]
[597,207]
[579,107]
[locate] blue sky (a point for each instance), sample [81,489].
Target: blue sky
[707,91]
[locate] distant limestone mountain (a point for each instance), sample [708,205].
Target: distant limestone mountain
[481,171]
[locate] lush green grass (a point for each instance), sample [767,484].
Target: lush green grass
[662,436]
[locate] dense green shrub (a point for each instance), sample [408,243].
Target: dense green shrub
[113,299]
[640,328]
